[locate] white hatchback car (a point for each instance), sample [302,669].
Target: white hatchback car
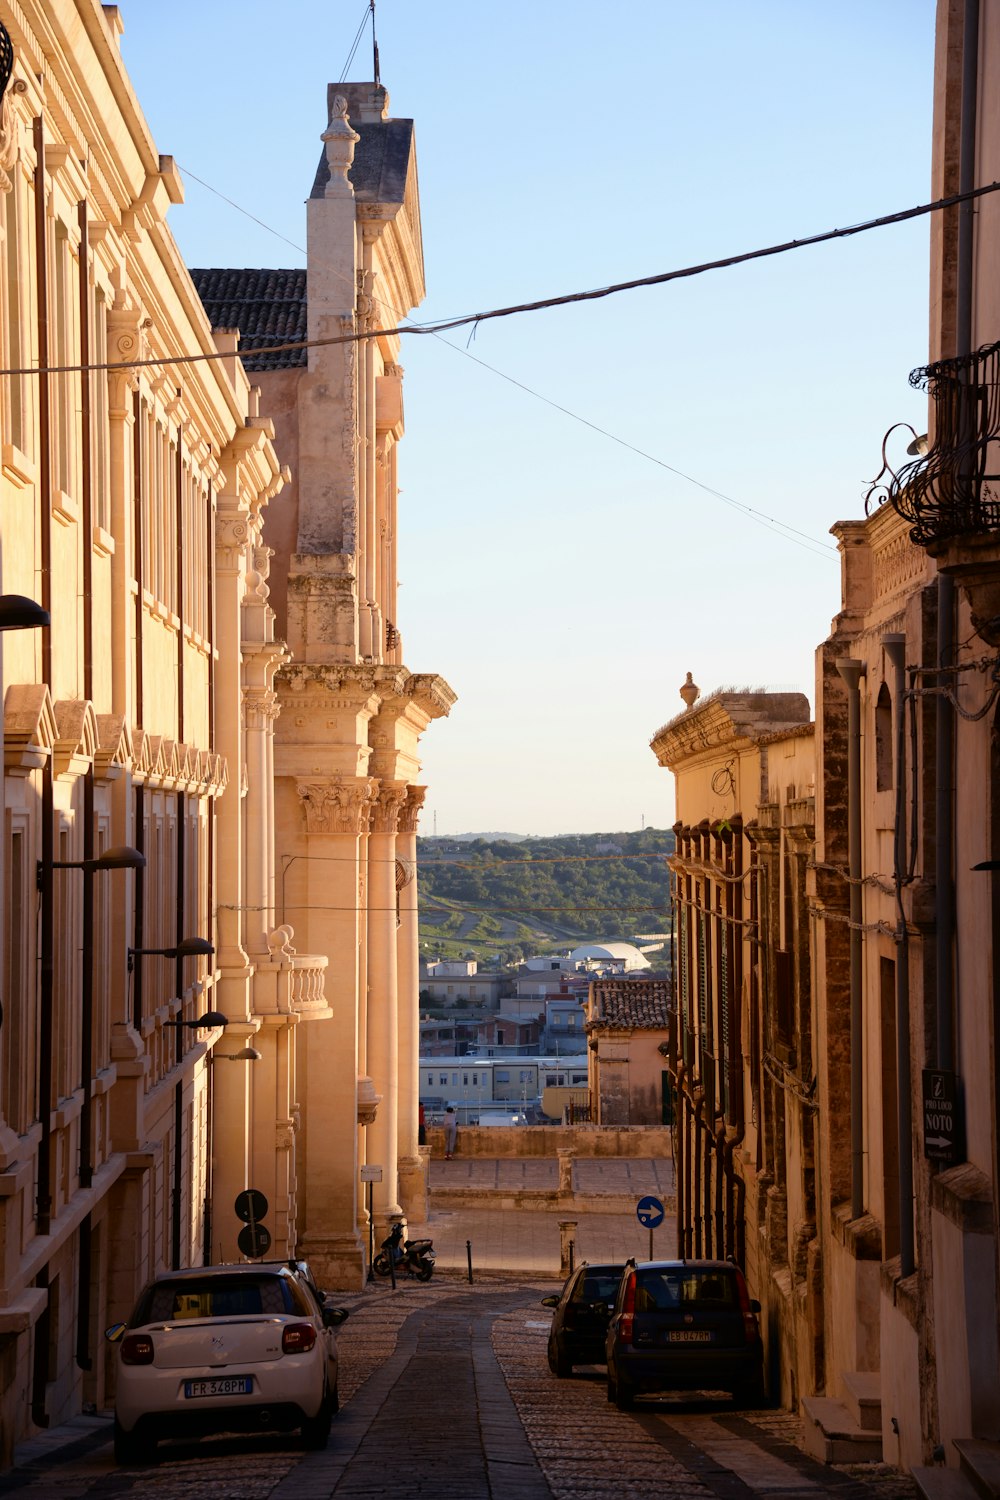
[239,1348]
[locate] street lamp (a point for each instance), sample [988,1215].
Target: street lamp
[209,1019]
[189,947]
[118,857]
[17,612]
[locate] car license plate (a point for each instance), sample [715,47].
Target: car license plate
[690,1336]
[222,1385]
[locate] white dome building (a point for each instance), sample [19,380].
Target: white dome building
[622,958]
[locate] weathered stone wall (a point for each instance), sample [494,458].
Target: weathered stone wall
[547,1140]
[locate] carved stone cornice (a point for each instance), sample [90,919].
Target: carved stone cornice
[336,804]
[410,812]
[386,807]
[435,696]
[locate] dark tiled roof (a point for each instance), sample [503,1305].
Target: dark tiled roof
[267,307]
[629,1005]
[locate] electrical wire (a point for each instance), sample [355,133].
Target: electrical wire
[540,305]
[369,8]
[811,543]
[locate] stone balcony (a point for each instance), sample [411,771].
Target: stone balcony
[289,983]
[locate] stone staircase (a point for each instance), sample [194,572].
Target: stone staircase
[848,1431]
[976,1478]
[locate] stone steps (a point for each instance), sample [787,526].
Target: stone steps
[832,1434]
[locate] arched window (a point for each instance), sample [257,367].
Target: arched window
[883,740]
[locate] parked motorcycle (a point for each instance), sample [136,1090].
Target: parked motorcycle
[406,1257]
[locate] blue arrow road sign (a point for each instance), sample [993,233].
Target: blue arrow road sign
[649,1212]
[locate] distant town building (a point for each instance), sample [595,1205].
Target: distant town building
[627,1021]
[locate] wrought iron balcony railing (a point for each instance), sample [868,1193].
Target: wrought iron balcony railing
[955,488]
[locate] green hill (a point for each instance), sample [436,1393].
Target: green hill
[482,897]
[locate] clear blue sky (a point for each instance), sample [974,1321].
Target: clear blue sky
[560,582]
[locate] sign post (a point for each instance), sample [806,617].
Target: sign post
[650,1211]
[370,1175]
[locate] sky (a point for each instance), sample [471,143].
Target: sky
[562,582]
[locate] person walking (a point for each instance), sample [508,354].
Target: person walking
[450,1132]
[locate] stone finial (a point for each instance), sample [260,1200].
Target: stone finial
[340,141]
[689,692]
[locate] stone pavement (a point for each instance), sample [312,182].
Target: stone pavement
[446,1394]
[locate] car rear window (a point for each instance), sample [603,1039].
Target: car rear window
[215,1297]
[658,1291]
[598,1288]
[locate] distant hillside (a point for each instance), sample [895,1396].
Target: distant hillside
[486,897]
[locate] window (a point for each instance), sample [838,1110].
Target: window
[442,1080]
[502,1075]
[883,740]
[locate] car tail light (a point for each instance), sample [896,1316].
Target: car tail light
[627,1319]
[298,1338]
[137,1349]
[750,1327]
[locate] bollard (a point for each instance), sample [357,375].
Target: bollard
[468,1256]
[567,1232]
[392,1268]
[572,1247]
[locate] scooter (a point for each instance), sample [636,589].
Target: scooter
[406,1257]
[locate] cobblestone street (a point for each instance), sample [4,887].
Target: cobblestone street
[446,1393]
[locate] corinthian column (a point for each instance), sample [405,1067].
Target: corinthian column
[321,894]
[382,1003]
[412,1174]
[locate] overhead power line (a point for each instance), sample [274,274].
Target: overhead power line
[816,545]
[661,278]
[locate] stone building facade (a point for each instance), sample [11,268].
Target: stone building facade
[874,1245]
[626,1024]
[346,759]
[138,857]
[742,1048]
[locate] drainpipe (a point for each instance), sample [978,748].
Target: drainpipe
[680,1149]
[895,649]
[851,670]
[944,717]
[696,1194]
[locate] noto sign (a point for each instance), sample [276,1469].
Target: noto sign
[942,1121]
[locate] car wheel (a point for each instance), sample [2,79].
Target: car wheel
[133,1447]
[316,1430]
[624,1397]
[750,1394]
[559,1362]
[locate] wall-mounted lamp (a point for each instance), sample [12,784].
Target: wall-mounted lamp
[17,612]
[119,857]
[189,947]
[210,1018]
[245,1054]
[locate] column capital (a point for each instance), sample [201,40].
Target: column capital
[410,811]
[336,804]
[387,807]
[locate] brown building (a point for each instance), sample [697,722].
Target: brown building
[626,1023]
